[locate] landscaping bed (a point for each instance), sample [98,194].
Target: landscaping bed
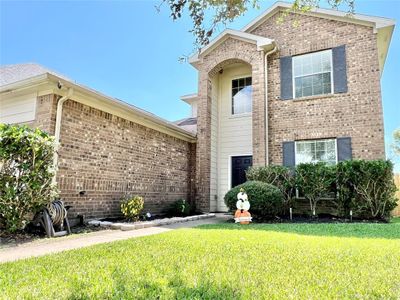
[223,261]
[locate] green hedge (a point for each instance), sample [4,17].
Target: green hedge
[266,200]
[365,187]
[26,172]
[281,177]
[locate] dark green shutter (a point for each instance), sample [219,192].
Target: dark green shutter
[288,154]
[339,69]
[344,151]
[286,78]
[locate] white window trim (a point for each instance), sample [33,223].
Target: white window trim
[329,139]
[246,114]
[294,77]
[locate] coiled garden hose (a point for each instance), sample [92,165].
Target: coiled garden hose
[57,212]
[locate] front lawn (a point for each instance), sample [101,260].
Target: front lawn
[226,261]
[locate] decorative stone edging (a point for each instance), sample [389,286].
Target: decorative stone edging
[147,224]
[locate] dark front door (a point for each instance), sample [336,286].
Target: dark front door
[239,166]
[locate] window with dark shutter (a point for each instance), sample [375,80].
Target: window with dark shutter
[339,69]
[288,154]
[344,148]
[286,78]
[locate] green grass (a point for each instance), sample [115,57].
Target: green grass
[224,261]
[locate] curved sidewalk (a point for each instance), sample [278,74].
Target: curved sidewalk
[47,246]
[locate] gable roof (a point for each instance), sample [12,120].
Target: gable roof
[24,76]
[382,26]
[332,14]
[260,41]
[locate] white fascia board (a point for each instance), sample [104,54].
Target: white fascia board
[189,99]
[377,22]
[129,111]
[138,112]
[260,41]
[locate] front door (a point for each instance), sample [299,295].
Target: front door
[239,166]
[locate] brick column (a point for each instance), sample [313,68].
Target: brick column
[203,157]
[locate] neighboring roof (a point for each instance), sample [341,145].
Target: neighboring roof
[260,41]
[19,76]
[18,72]
[189,124]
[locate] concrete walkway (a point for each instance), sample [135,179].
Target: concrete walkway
[47,246]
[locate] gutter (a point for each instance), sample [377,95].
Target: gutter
[266,100]
[58,130]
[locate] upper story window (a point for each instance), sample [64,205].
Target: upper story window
[312,74]
[316,151]
[241,96]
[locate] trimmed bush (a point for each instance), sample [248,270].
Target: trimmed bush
[26,173]
[179,208]
[367,187]
[131,207]
[266,200]
[280,176]
[315,181]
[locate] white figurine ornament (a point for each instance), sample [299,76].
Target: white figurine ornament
[242,214]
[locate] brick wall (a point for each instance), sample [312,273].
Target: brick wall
[46,108]
[357,113]
[107,157]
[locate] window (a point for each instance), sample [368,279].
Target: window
[316,151]
[312,74]
[241,95]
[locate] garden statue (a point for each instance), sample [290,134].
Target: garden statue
[242,214]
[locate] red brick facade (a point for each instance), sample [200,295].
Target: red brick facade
[103,157]
[356,114]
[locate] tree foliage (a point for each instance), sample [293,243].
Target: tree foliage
[26,172]
[208,15]
[280,176]
[396,141]
[369,187]
[314,181]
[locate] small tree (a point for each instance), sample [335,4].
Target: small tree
[369,187]
[280,176]
[26,172]
[314,181]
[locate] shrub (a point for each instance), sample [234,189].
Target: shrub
[26,173]
[131,207]
[280,176]
[314,181]
[367,187]
[266,200]
[179,208]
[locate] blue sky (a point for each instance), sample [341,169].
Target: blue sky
[126,49]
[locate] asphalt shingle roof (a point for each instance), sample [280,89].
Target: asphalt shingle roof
[18,72]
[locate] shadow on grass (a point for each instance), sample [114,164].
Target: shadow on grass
[357,230]
[126,287]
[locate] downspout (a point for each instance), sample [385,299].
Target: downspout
[266,100]
[58,131]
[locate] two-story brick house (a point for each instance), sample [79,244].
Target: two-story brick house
[271,93]
[305,89]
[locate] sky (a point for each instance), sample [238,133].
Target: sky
[128,50]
